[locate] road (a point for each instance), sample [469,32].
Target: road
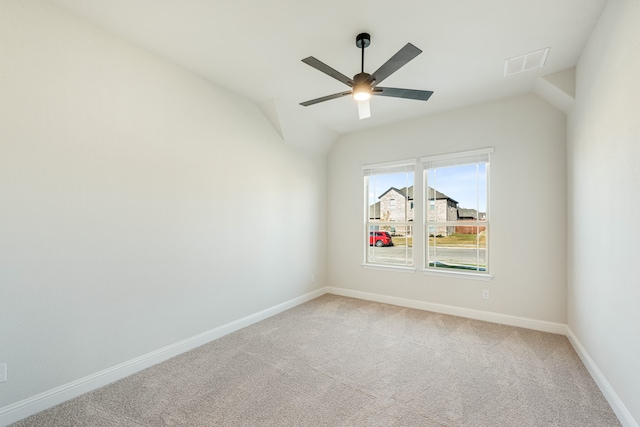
[398,255]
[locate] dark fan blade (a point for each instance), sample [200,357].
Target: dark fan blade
[420,95]
[321,66]
[404,55]
[325,98]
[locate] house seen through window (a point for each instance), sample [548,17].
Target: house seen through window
[390,214]
[454,225]
[457,220]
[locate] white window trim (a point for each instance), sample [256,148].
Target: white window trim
[456,159]
[397,268]
[390,165]
[407,162]
[458,155]
[485,277]
[422,164]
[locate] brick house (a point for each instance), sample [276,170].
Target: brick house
[441,208]
[396,205]
[470,215]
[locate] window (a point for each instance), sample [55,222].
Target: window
[389,214]
[456,191]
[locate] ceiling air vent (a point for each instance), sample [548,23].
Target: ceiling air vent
[526,62]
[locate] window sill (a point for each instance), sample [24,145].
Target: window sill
[457,274]
[398,268]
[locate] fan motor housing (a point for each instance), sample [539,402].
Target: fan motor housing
[361,78]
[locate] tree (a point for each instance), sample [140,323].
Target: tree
[385,217]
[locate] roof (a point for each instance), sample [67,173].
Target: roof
[408,192]
[470,214]
[438,195]
[404,192]
[467,213]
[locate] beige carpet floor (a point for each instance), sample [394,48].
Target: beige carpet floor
[338,361]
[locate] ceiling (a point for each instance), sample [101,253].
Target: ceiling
[254,48]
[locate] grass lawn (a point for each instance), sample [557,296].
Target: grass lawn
[453,240]
[402,241]
[460,240]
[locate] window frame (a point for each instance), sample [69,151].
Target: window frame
[407,165]
[446,160]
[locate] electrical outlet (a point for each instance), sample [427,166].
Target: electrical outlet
[3,372]
[485,294]
[313,278]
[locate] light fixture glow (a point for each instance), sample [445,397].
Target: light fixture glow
[361,96]
[361,92]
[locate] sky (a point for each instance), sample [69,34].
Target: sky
[461,183]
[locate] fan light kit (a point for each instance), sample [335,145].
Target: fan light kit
[363,85]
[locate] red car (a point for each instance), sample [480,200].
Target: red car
[380,238]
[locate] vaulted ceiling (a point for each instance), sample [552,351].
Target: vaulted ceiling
[254,48]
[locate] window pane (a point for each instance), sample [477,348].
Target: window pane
[390,213]
[456,223]
[390,197]
[457,187]
[390,245]
[465,249]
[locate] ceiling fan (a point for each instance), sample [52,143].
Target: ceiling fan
[363,85]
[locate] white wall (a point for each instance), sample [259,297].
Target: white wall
[603,178]
[139,204]
[528,208]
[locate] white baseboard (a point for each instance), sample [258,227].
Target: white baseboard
[24,408]
[42,401]
[487,316]
[621,411]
